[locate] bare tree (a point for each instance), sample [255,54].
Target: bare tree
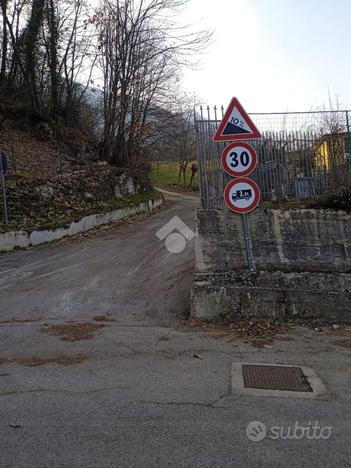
[52,51]
[29,45]
[4,6]
[141,52]
[47,54]
[178,142]
[71,56]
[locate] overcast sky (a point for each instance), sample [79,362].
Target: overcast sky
[274,55]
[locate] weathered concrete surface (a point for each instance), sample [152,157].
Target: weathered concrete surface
[294,240]
[267,294]
[302,263]
[140,398]
[11,240]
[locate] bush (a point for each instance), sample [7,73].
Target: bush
[339,199]
[140,171]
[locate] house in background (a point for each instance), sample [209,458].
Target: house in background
[332,160]
[333,151]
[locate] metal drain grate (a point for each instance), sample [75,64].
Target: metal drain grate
[275,378]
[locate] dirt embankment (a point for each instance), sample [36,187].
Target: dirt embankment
[51,183]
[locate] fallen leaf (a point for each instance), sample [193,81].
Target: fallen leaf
[197,356]
[14,425]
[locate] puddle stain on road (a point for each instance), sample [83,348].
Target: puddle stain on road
[35,361]
[74,331]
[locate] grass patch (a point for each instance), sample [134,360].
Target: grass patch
[164,174]
[56,216]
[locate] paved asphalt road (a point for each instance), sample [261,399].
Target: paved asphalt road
[144,390]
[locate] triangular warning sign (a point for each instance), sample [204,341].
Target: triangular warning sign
[236,125]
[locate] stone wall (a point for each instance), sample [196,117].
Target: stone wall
[35,203]
[302,265]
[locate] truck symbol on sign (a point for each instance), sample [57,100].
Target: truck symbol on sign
[242,195]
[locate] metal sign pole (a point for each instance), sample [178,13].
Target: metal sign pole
[3,192]
[347,122]
[247,241]
[239,159]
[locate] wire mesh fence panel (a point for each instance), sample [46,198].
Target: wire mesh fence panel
[300,155]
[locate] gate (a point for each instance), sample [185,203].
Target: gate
[300,154]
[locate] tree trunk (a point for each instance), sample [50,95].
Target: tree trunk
[179,174]
[4,39]
[53,59]
[30,37]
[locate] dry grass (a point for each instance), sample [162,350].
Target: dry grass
[259,333]
[30,154]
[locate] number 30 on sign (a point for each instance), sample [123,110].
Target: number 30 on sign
[239,159]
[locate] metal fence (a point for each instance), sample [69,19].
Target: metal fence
[300,154]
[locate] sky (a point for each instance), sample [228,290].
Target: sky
[274,55]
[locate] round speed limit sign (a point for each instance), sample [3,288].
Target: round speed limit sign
[242,195]
[239,159]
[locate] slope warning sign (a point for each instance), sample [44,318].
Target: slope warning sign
[236,124]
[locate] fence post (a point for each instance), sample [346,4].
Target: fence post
[348,139]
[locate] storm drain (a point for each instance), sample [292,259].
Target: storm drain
[287,378]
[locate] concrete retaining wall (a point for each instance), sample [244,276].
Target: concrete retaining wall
[302,262]
[294,240]
[11,240]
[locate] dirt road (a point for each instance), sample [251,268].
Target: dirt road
[126,273]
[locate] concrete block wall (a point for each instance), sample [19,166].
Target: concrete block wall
[302,261]
[291,240]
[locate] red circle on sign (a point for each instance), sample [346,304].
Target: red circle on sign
[229,199]
[252,154]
